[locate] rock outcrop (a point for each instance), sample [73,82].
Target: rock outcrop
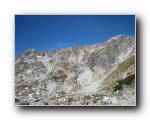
[100,74]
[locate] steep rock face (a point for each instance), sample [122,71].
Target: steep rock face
[83,75]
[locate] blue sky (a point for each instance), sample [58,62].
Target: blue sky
[54,32]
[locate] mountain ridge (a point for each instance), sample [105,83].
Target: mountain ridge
[32,49]
[77,70]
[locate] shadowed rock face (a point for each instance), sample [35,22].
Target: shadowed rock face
[83,75]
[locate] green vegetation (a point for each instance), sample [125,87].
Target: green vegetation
[126,81]
[118,87]
[17,100]
[55,78]
[122,67]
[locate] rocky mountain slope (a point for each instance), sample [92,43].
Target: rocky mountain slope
[100,74]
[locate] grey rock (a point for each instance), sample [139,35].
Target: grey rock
[82,75]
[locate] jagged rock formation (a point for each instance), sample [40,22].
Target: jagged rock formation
[100,74]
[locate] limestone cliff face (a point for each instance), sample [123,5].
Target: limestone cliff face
[100,74]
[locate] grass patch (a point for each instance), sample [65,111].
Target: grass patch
[17,100]
[126,81]
[55,77]
[118,87]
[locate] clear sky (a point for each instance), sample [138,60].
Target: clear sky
[54,32]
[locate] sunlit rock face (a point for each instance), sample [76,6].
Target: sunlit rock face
[100,74]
